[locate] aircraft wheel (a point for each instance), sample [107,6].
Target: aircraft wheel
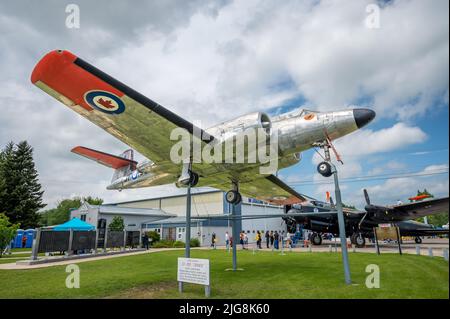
[360,241]
[193,179]
[324,169]
[316,239]
[233,197]
[418,240]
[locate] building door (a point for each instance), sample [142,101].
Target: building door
[169,233]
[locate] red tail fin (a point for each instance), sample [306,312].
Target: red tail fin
[112,161]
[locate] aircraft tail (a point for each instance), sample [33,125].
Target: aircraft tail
[123,164]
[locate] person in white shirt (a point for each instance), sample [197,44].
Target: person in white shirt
[227,240]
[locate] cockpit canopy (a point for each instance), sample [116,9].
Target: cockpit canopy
[294,113]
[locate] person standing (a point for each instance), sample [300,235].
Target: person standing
[213,240]
[271,238]
[145,241]
[276,237]
[24,241]
[288,240]
[258,239]
[267,235]
[227,241]
[245,240]
[241,239]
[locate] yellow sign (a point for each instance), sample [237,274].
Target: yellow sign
[384,233]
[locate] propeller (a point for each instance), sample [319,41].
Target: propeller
[366,196]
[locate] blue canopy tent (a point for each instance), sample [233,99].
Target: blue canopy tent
[74,224]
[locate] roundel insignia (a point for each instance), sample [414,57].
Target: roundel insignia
[105,102]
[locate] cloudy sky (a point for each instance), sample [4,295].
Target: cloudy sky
[210,61]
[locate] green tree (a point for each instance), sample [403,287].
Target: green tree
[7,232]
[61,213]
[153,236]
[21,194]
[116,224]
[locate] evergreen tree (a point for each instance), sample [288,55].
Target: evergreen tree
[21,197]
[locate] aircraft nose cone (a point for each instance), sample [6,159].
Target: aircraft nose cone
[363,116]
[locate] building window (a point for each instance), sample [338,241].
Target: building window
[83,217]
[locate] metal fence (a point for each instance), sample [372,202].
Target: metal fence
[51,241]
[70,242]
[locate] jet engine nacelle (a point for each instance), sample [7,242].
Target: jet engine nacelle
[256,120]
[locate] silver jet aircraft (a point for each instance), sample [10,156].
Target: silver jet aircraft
[146,126]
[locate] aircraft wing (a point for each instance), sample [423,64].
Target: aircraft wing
[121,111]
[422,208]
[143,124]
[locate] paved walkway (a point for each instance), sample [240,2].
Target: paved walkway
[14,266]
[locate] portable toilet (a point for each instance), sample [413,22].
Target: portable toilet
[18,239]
[30,233]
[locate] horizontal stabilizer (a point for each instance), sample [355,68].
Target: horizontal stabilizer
[112,161]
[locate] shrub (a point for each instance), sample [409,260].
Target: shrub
[163,244]
[195,242]
[153,237]
[178,244]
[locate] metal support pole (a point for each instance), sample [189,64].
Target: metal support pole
[430,252]
[36,241]
[376,240]
[399,239]
[207,291]
[445,254]
[96,242]
[69,250]
[187,252]
[124,240]
[105,241]
[235,234]
[341,223]
[418,250]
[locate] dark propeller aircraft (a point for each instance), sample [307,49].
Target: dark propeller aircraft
[359,224]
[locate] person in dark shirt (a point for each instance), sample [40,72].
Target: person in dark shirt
[145,241]
[267,239]
[271,238]
[276,238]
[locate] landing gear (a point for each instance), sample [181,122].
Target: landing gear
[358,240]
[324,169]
[316,239]
[418,240]
[233,197]
[193,178]
[187,177]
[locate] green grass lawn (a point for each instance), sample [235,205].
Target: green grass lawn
[265,275]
